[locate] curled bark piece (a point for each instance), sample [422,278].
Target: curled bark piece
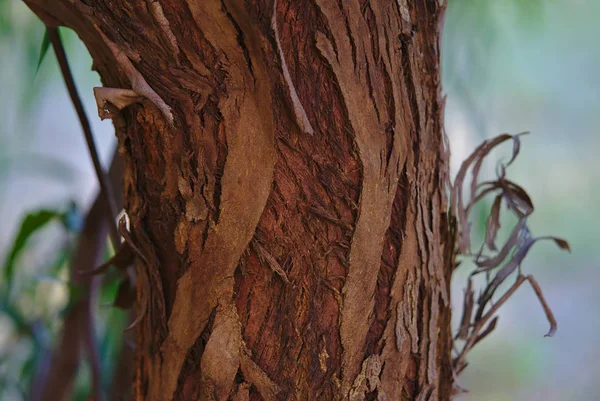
[138,83]
[112,100]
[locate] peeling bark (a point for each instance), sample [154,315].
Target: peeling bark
[286,184]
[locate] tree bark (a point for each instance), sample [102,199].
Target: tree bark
[285,180]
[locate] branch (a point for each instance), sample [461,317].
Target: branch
[106,192]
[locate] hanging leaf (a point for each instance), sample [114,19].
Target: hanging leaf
[43,51]
[31,224]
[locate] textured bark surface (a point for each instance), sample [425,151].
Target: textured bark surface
[285,179]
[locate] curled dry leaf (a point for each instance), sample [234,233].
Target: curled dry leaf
[468,303]
[111,100]
[493,224]
[479,321]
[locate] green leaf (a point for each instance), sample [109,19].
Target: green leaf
[43,50]
[32,223]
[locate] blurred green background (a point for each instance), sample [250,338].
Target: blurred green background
[508,66]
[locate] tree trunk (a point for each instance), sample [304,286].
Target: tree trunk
[285,180]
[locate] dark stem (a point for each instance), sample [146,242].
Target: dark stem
[105,189]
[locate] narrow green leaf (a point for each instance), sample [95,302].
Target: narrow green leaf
[43,51]
[30,224]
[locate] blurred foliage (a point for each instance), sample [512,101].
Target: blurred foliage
[466,47]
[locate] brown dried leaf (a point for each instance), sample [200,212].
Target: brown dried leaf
[506,270]
[560,242]
[475,161]
[517,198]
[516,147]
[493,223]
[480,154]
[486,264]
[487,330]
[547,310]
[468,303]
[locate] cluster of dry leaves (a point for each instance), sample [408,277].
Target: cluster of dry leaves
[497,263]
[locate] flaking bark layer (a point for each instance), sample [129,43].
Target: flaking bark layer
[285,180]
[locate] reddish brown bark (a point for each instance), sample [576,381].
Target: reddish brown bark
[285,179]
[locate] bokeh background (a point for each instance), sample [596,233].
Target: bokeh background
[508,66]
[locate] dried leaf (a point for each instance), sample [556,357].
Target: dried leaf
[485,263]
[493,223]
[517,198]
[506,270]
[547,310]
[560,242]
[487,330]
[519,243]
[516,147]
[475,161]
[468,303]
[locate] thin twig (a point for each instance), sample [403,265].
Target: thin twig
[105,189]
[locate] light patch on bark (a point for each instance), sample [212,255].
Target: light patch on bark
[181,236]
[367,380]
[323,355]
